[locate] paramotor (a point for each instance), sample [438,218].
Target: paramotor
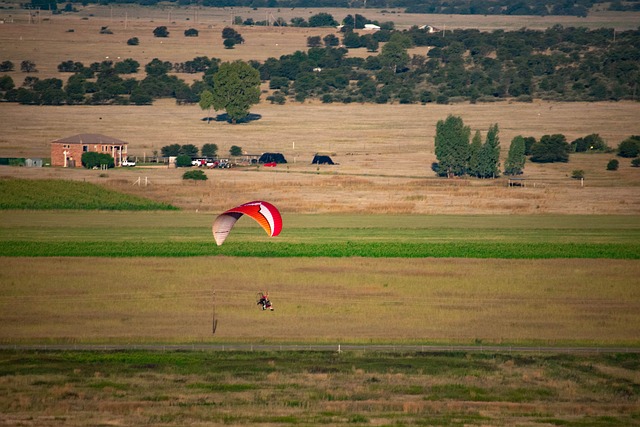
[264,213]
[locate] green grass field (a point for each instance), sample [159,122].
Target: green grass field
[181,234]
[317,388]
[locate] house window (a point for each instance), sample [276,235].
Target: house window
[85,148]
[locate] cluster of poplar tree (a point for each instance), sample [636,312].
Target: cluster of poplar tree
[459,154]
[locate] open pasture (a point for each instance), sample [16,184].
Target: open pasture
[320,300]
[384,154]
[369,298]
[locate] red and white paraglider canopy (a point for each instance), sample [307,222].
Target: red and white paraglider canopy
[264,213]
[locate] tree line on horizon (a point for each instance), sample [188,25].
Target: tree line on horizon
[557,64]
[464,7]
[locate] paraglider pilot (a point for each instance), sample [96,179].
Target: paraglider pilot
[264,301]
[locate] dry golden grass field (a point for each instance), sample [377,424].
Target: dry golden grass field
[384,151]
[384,155]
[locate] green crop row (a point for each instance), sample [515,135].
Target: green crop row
[61,194]
[128,249]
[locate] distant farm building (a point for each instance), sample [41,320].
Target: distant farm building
[430,29]
[373,27]
[33,163]
[67,152]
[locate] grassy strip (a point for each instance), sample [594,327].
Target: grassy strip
[61,194]
[319,388]
[128,249]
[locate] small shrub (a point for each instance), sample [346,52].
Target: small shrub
[277,98]
[635,162]
[133,41]
[577,174]
[161,31]
[613,165]
[196,175]
[191,32]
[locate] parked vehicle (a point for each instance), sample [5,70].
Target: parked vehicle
[128,163]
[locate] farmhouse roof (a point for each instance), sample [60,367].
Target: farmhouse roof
[90,138]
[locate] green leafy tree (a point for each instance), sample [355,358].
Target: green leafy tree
[314,41]
[161,31]
[394,56]
[591,142]
[206,102]
[209,150]
[70,66]
[237,88]
[6,66]
[550,149]
[27,66]
[133,41]
[528,143]
[452,146]
[230,33]
[128,66]
[613,165]
[371,43]
[358,23]
[299,22]
[322,20]
[514,165]
[157,67]
[630,147]
[170,150]
[6,83]
[139,96]
[183,161]
[331,40]
[191,32]
[489,164]
[229,43]
[475,150]
[352,40]
[189,150]
[235,150]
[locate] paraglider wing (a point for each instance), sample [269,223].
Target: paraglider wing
[263,213]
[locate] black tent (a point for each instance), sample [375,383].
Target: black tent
[272,158]
[320,159]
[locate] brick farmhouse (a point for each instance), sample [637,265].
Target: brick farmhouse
[67,152]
